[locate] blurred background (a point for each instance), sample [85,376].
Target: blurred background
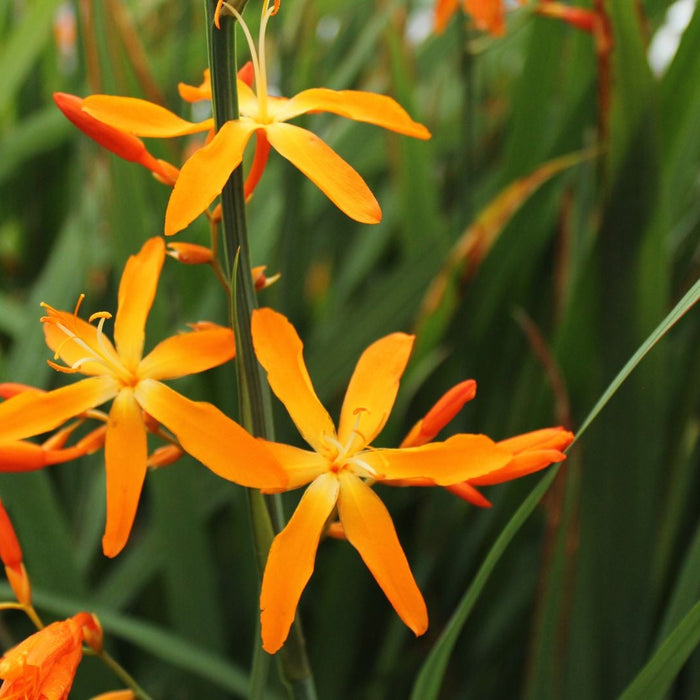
[532,244]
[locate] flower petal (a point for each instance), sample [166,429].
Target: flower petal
[211,437]
[141,117]
[67,335]
[373,387]
[301,466]
[205,173]
[521,465]
[247,101]
[137,290]
[460,458]
[280,351]
[368,107]
[126,453]
[33,413]
[327,170]
[189,353]
[444,9]
[368,528]
[290,562]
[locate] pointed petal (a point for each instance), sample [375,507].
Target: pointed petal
[301,466]
[140,117]
[521,465]
[545,438]
[280,351]
[291,560]
[368,107]
[368,528]
[327,170]
[247,101]
[125,461]
[189,353]
[468,493]
[33,413]
[460,458]
[190,93]
[137,290]
[67,335]
[205,173]
[211,437]
[373,387]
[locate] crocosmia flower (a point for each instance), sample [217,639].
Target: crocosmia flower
[119,372]
[341,467]
[205,173]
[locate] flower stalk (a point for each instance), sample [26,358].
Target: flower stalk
[253,392]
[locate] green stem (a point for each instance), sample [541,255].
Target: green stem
[122,674]
[253,391]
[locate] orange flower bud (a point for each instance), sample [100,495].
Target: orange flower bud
[190,253]
[164,456]
[91,628]
[447,407]
[44,665]
[11,555]
[115,695]
[120,143]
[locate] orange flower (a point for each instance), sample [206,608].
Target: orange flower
[488,15]
[204,174]
[341,468]
[43,666]
[120,372]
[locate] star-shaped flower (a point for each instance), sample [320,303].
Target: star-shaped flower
[119,372]
[342,466]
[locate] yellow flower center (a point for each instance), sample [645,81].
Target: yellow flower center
[348,457]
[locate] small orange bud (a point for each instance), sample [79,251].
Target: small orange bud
[164,456]
[91,629]
[260,280]
[11,555]
[446,408]
[190,253]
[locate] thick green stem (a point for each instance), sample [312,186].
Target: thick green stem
[253,391]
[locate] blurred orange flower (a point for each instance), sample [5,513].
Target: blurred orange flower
[43,666]
[341,469]
[120,372]
[488,15]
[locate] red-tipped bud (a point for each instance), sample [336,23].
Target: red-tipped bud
[190,253]
[447,407]
[10,389]
[11,555]
[126,146]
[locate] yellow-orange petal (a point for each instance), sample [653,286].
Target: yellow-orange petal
[280,351]
[368,107]
[460,458]
[190,253]
[189,353]
[125,462]
[373,387]
[141,117]
[190,93]
[211,437]
[545,438]
[137,290]
[368,528]
[33,413]
[205,173]
[301,466]
[290,562]
[67,334]
[247,101]
[327,170]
